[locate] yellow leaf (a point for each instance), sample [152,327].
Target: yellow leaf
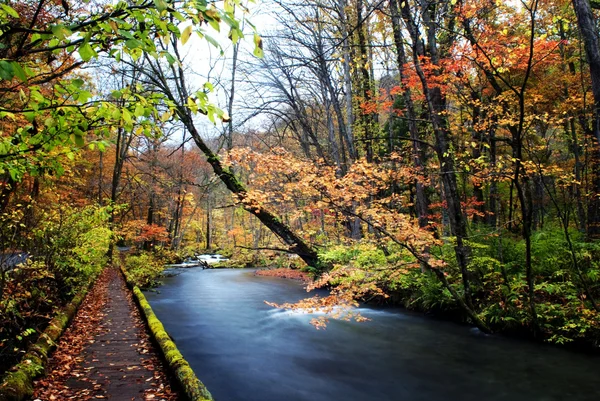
[185,35]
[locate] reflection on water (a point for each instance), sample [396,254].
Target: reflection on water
[242,349]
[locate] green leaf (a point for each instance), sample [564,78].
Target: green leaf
[79,141]
[126,116]
[170,59]
[178,16]
[10,11]
[234,35]
[215,25]
[37,96]
[86,52]
[213,42]
[19,72]
[13,174]
[161,5]
[233,23]
[126,34]
[6,114]
[84,96]
[49,122]
[61,32]
[78,82]
[29,116]
[139,110]
[133,43]
[6,70]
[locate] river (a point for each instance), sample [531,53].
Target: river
[244,350]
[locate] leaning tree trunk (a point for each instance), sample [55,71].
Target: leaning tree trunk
[295,243]
[179,98]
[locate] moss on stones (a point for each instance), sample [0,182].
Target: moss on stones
[193,388]
[18,382]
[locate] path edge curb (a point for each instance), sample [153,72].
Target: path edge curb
[185,377]
[17,384]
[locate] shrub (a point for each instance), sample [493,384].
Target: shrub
[370,258]
[144,270]
[73,242]
[66,250]
[339,255]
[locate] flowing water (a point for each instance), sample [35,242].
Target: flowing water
[244,350]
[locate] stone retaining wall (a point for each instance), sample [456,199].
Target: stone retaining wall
[193,388]
[18,381]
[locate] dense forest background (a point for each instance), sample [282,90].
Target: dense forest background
[439,154]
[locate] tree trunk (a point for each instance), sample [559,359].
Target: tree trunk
[8,187]
[421,201]
[208,223]
[349,135]
[366,122]
[477,135]
[436,104]
[589,34]
[236,48]
[295,243]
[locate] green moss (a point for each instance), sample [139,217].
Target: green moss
[18,384]
[39,351]
[212,158]
[173,357]
[193,388]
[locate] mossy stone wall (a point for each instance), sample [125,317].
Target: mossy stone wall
[18,382]
[193,388]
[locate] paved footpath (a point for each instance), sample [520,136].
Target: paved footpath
[106,353]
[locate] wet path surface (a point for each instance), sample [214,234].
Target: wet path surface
[242,349]
[106,353]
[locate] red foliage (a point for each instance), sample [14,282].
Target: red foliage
[153,232]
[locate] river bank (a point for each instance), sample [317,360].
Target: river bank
[284,272]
